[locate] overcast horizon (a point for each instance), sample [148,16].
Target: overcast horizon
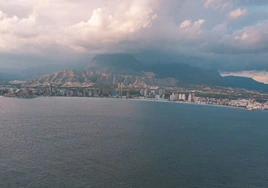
[224,35]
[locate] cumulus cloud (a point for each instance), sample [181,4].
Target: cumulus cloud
[16,32]
[50,23]
[104,28]
[253,35]
[217,4]
[208,29]
[192,29]
[251,39]
[237,13]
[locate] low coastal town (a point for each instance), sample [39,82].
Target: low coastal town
[152,93]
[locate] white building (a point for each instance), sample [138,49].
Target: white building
[173,97]
[142,92]
[190,97]
[157,97]
[146,92]
[183,97]
[180,96]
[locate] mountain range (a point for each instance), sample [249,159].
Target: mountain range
[112,69]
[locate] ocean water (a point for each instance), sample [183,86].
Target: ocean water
[85,142]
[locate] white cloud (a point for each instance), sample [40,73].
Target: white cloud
[237,13]
[253,35]
[261,76]
[16,32]
[186,24]
[120,25]
[192,29]
[15,25]
[49,22]
[106,29]
[248,40]
[217,4]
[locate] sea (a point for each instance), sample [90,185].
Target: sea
[112,143]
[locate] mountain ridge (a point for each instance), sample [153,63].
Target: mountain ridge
[114,68]
[88,78]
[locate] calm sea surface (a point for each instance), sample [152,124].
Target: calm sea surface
[83,142]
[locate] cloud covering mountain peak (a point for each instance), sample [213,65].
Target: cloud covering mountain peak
[214,30]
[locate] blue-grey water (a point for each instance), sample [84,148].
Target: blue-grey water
[84,142]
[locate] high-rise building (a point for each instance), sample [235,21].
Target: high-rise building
[160,92]
[183,97]
[190,97]
[180,97]
[119,85]
[120,88]
[173,97]
[142,92]
[146,92]
[50,89]
[193,97]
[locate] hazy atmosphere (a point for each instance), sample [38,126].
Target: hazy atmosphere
[133,93]
[218,34]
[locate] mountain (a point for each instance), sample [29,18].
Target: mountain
[114,68]
[37,71]
[127,64]
[186,74]
[243,82]
[116,63]
[87,78]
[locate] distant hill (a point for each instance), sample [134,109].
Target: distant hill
[127,64]
[37,71]
[115,68]
[243,82]
[186,74]
[86,78]
[116,63]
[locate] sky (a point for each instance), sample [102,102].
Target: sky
[227,35]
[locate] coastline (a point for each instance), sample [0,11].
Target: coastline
[137,99]
[198,104]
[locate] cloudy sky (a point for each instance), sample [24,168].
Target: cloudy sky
[228,35]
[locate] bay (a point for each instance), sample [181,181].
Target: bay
[87,142]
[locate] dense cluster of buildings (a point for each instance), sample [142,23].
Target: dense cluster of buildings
[152,92]
[190,97]
[148,93]
[54,91]
[249,104]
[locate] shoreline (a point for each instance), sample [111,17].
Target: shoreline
[198,104]
[137,99]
